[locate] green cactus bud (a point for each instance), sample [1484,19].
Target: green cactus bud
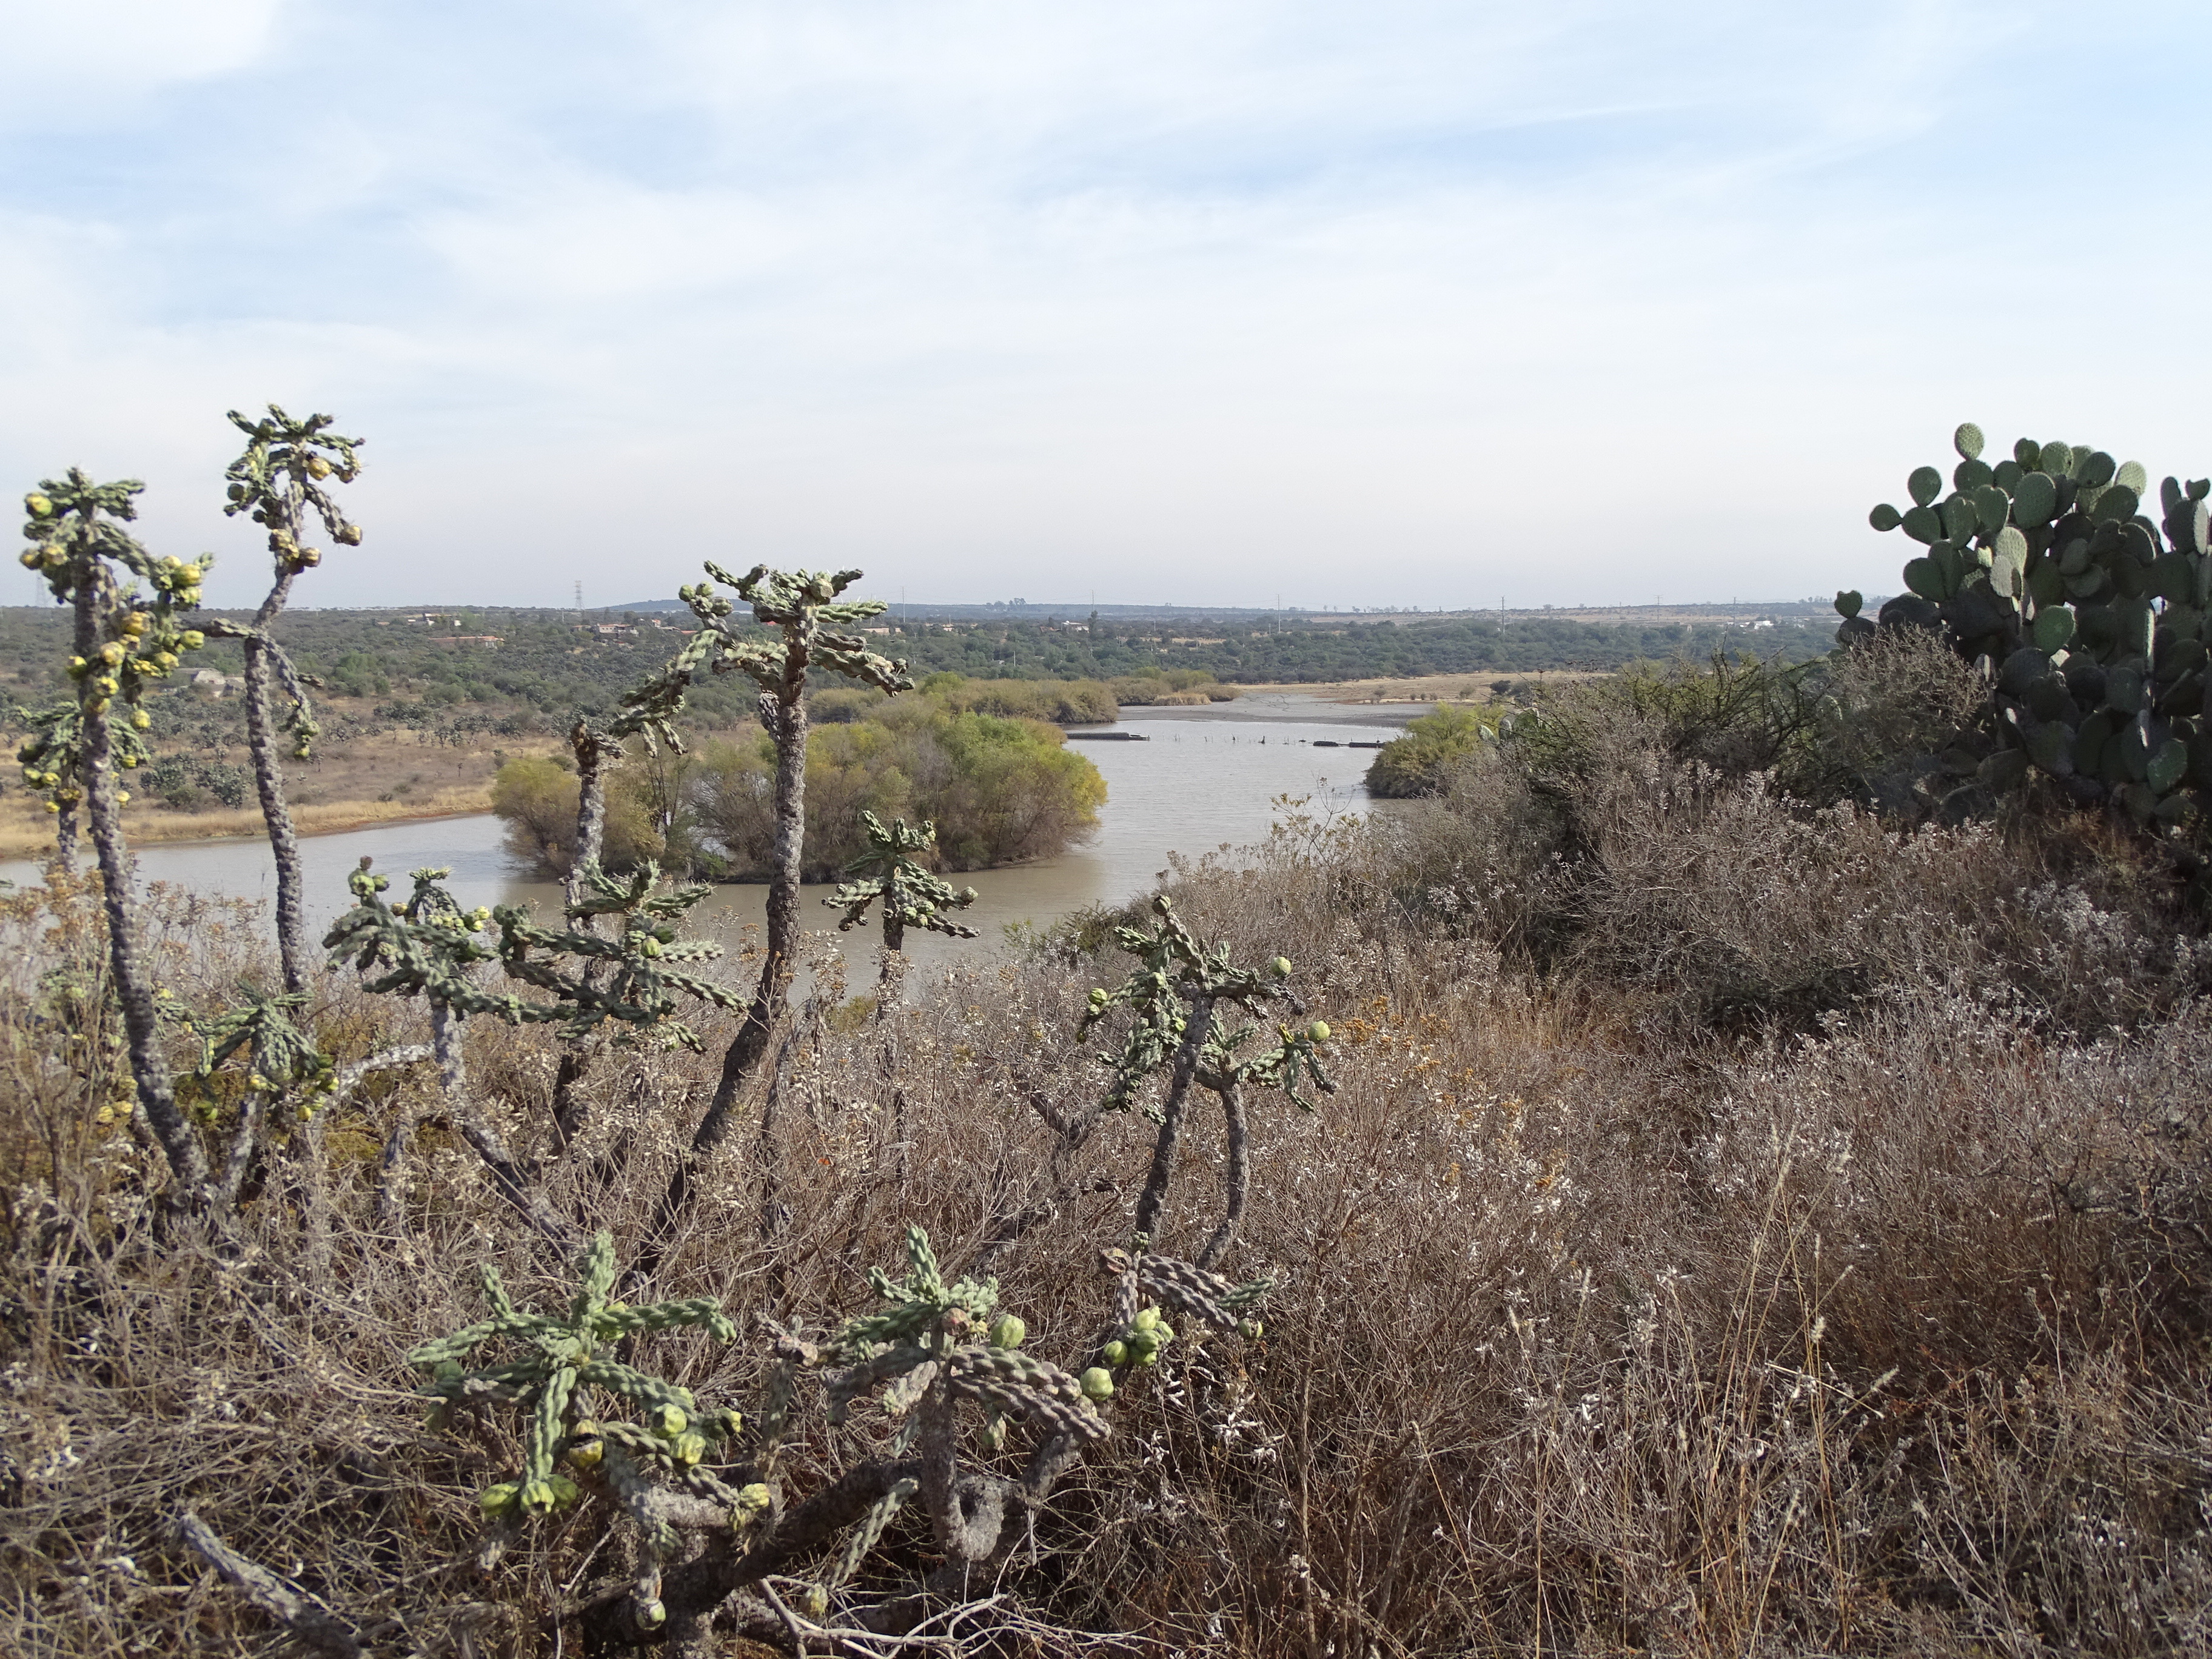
[495,1501]
[1250,1329]
[1097,1383]
[1146,1320]
[668,1421]
[1282,966]
[1115,1352]
[1007,1332]
[649,1615]
[1318,1030]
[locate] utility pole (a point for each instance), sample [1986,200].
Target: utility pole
[579,603]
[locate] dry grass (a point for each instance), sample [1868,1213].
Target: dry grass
[1877,1327]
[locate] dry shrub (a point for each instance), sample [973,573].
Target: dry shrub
[1879,1332]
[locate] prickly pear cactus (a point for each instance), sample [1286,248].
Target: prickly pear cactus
[888,874]
[74,528]
[2091,619]
[560,1373]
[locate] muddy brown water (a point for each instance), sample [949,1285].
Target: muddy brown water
[1205,780]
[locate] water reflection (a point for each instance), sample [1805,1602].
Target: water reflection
[1203,778]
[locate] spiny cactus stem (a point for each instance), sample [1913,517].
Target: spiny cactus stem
[1155,1195]
[1236,1179]
[133,984]
[261,739]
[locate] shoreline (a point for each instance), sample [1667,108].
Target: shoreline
[247,824]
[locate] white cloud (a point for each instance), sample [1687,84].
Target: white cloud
[1203,300]
[76,63]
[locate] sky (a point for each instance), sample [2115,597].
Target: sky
[1210,302]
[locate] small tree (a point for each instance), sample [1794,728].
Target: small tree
[279,481]
[125,640]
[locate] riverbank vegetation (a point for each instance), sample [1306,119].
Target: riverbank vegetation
[999,790]
[1727,1173]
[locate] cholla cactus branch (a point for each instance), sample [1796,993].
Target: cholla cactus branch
[278,482]
[801,607]
[632,980]
[558,1361]
[123,641]
[889,875]
[869,1533]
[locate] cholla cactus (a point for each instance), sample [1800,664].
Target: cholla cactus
[641,971]
[910,894]
[557,1363]
[803,608]
[279,480]
[934,1345]
[281,1062]
[1178,995]
[123,640]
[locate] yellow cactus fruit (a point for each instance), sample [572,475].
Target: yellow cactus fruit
[141,718]
[38,506]
[30,558]
[111,653]
[1318,1030]
[669,1421]
[689,1449]
[318,467]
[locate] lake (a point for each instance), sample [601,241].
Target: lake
[1205,778]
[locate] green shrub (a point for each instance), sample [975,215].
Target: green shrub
[1420,762]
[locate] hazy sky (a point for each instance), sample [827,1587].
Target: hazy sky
[1206,301]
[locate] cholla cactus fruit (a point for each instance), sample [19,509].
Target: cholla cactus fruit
[888,874]
[1098,1383]
[78,537]
[557,1360]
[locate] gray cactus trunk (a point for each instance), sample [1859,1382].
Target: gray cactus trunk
[1155,1195]
[269,781]
[784,716]
[591,767]
[134,988]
